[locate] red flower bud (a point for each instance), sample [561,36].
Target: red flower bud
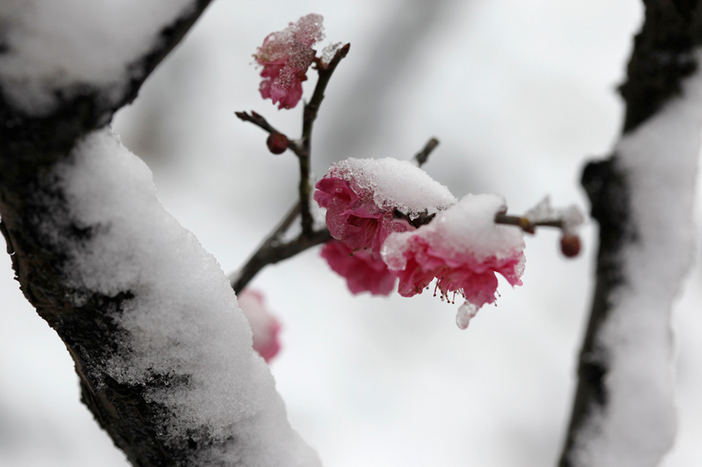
[277,143]
[570,245]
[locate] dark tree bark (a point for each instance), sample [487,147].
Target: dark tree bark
[663,56]
[29,148]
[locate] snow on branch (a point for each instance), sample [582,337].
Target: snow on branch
[642,197]
[163,354]
[636,424]
[183,342]
[54,51]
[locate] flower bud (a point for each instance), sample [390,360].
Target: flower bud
[277,143]
[570,245]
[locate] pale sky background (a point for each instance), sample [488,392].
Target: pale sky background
[520,93]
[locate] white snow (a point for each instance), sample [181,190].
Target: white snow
[330,50]
[396,184]
[464,314]
[571,217]
[466,227]
[61,45]
[184,318]
[637,426]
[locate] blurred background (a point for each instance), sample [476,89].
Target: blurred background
[520,93]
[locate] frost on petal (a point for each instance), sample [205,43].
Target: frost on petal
[264,326]
[462,248]
[394,184]
[362,195]
[285,56]
[363,271]
[363,198]
[353,217]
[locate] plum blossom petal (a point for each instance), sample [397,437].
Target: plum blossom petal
[264,326]
[353,217]
[285,56]
[391,184]
[462,248]
[363,271]
[362,198]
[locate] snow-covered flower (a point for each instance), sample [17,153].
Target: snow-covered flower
[264,326]
[359,227]
[363,270]
[363,196]
[352,215]
[462,248]
[285,56]
[366,201]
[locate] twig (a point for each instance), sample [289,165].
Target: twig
[421,157]
[325,72]
[302,148]
[522,222]
[260,121]
[272,249]
[271,253]
[526,224]
[257,119]
[311,109]
[287,221]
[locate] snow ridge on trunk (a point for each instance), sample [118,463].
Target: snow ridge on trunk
[659,159]
[181,319]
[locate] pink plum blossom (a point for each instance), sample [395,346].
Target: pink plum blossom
[462,248]
[285,56]
[366,201]
[363,271]
[352,215]
[264,326]
[455,272]
[360,227]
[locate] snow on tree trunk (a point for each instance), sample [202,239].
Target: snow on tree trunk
[182,336]
[636,426]
[162,350]
[642,197]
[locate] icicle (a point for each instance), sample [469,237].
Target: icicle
[465,314]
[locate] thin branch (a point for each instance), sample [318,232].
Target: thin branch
[287,221]
[272,253]
[302,148]
[260,121]
[526,224]
[421,157]
[267,251]
[523,222]
[272,249]
[325,72]
[311,109]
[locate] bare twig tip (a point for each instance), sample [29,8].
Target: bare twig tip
[422,156]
